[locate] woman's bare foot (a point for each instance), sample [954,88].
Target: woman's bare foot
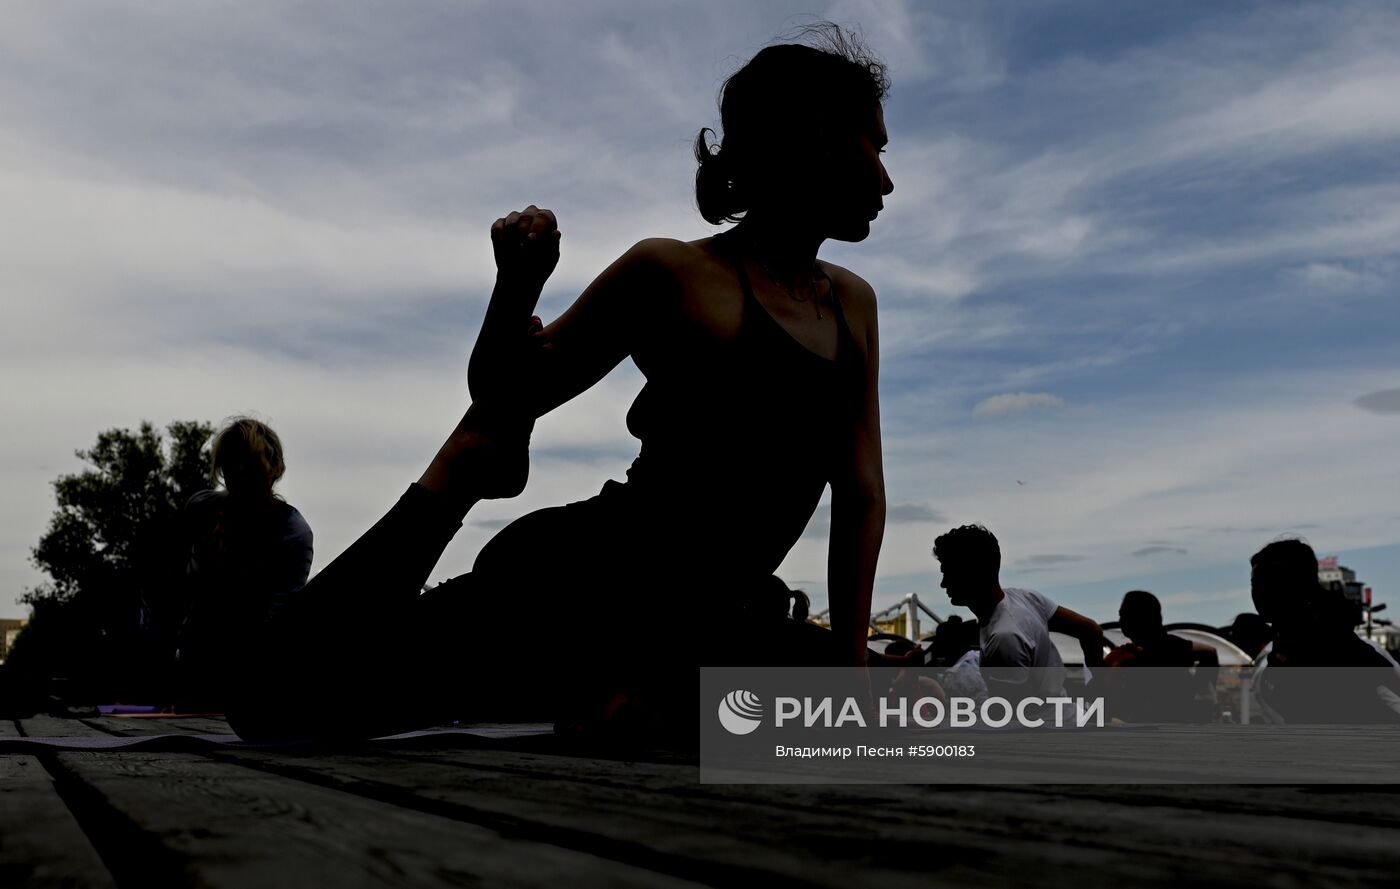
[526,248]
[487,457]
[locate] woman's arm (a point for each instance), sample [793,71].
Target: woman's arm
[858,504]
[544,369]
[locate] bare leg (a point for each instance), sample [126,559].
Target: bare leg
[485,458]
[313,674]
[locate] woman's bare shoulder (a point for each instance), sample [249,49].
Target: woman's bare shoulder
[857,300]
[673,252]
[853,287]
[670,257]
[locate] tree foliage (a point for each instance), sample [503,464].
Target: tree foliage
[114,552]
[117,523]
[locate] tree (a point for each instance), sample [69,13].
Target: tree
[114,550]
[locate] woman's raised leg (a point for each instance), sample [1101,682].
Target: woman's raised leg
[344,659]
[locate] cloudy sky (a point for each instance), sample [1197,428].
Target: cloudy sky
[1137,279]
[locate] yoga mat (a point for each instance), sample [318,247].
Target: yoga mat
[188,742]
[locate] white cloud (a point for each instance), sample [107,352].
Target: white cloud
[234,207]
[921,43]
[1332,278]
[1267,455]
[1017,403]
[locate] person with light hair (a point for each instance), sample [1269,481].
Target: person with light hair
[250,552]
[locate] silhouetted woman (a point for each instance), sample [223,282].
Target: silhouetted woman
[760,363]
[250,554]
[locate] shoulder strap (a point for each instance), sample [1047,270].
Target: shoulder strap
[843,327]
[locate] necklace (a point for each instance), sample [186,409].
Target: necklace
[791,291]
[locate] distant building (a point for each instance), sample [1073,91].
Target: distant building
[1387,637]
[1343,579]
[9,629]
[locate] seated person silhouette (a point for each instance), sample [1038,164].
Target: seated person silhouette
[250,553]
[1301,679]
[1172,678]
[953,638]
[1251,633]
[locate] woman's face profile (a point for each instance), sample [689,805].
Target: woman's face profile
[858,180]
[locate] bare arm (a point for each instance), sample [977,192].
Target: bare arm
[624,306]
[858,515]
[1089,633]
[545,369]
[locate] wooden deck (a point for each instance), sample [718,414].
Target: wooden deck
[526,813]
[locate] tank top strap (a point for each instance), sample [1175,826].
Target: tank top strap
[845,339]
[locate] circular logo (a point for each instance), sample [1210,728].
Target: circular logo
[740,712]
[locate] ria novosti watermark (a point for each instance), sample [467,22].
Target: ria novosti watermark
[741,712]
[834,725]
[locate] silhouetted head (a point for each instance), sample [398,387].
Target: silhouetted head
[782,601]
[953,638]
[801,606]
[247,458]
[970,560]
[1283,583]
[803,132]
[1140,616]
[1250,632]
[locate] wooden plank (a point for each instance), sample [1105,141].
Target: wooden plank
[231,826]
[1156,754]
[1364,805]
[895,836]
[1377,805]
[164,725]
[43,726]
[41,844]
[656,816]
[200,725]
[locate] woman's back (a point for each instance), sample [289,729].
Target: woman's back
[741,434]
[250,553]
[745,415]
[246,558]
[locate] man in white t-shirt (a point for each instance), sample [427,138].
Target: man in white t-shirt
[1014,625]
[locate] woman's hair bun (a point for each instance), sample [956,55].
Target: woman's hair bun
[715,192]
